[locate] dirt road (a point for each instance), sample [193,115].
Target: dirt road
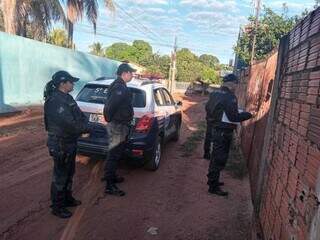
[173,201]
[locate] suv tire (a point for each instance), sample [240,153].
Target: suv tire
[154,157]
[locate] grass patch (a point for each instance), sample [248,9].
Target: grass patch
[236,164]
[192,141]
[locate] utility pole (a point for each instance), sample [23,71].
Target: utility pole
[258,8]
[173,68]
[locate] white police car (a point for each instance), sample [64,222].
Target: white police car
[157,119]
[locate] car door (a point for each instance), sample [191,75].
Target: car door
[170,110]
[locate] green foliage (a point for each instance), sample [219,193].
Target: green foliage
[158,64]
[97,49]
[209,60]
[142,51]
[121,52]
[58,37]
[190,67]
[272,27]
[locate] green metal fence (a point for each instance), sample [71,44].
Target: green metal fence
[26,65]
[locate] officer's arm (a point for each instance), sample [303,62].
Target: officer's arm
[231,110]
[69,123]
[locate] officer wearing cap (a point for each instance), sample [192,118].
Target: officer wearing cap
[64,123]
[118,112]
[223,116]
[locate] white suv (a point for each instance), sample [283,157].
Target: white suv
[157,119]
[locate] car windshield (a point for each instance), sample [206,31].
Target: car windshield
[93,93]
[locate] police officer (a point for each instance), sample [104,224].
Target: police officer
[64,123]
[118,112]
[222,115]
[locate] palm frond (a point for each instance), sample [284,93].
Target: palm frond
[74,10]
[91,7]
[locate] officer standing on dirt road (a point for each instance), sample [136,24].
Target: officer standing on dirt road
[64,123]
[118,112]
[223,116]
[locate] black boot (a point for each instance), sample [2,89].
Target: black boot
[58,208]
[112,189]
[218,191]
[61,212]
[70,201]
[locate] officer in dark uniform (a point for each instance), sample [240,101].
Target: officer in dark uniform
[118,112]
[222,115]
[64,123]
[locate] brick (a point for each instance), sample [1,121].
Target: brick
[312,99]
[302,130]
[314,120]
[313,137]
[313,91]
[305,107]
[303,123]
[314,151]
[315,112]
[314,83]
[314,75]
[305,116]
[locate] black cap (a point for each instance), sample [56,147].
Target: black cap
[63,76]
[125,67]
[230,78]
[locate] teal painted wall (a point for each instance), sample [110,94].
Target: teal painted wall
[27,65]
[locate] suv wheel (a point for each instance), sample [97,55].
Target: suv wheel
[154,157]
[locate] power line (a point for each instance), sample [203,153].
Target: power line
[146,28]
[132,38]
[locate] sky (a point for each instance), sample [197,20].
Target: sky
[203,26]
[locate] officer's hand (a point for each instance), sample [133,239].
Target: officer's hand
[247,115]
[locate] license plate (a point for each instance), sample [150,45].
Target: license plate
[97,118]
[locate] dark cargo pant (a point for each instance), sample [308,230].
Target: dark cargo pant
[221,142]
[208,138]
[118,134]
[63,153]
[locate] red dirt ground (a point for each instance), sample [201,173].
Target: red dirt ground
[173,199]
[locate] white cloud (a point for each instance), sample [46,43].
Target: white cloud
[215,5]
[291,5]
[148,2]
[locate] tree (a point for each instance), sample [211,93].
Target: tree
[76,9]
[209,60]
[121,52]
[58,37]
[31,18]
[158,64]
[209,75]
[189,68]
[97,49]
[272,27]
[142,51]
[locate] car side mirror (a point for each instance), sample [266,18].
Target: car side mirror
[179,103]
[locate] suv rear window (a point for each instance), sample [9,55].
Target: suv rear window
[92,93]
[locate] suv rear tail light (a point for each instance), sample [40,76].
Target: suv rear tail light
[144,124]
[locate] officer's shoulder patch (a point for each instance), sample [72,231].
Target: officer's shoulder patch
[119,92]
[60,109]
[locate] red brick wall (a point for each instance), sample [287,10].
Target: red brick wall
[289,199]
[254,94]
